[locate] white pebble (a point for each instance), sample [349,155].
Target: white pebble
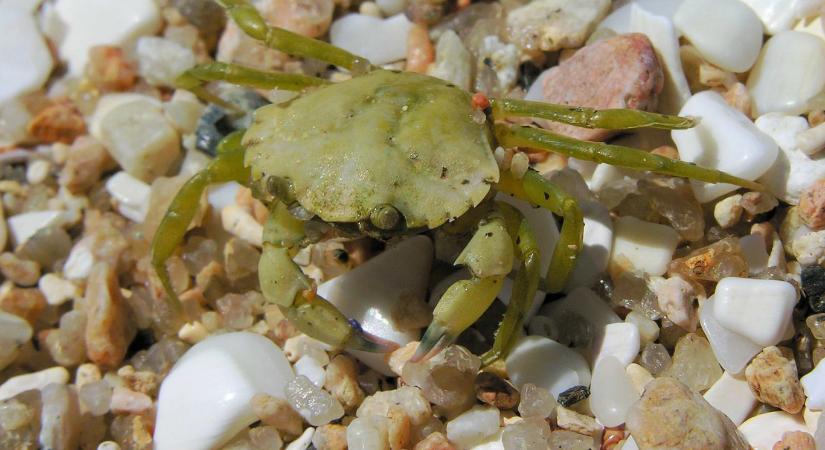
[310,368]
[783,128]
[184,110]
[729,38]
[102,22]
[37,171]
[814,385]
[732,396]
[161,61]
[760,310]
[131,196]
[196,411]
[780,15]
[792,173]
[25,225]
[755,253]
[25,60]
[473,426]
[708,144]
[453,62]
[368,433]
[374,293]
[647,246]
[81,258]
[108,445]
[36,380]
[812,140]
[611,392]
[381,41]
[790,71]
[597,242]
[303,441]
[547,364]
[127,401]
[732,350]
[57,290]
[193,332]
[648,329]
[237,221]
[620,340]
[675,298]
[765,430]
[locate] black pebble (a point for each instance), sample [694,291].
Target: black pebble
[573,395]
[813,284]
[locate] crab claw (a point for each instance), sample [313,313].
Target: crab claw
[436,338]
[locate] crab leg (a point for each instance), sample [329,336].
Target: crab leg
[283,283]
[489,257]
[250,21]
[194,79]
[524,288]
[227,166]
[612,119]
[616,155]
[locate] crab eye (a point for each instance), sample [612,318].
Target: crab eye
[280,188]
[385,217]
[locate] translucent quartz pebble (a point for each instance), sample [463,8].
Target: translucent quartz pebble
[722,128]
[694,363]
[611,392]
[536,402]
[374,293]
[527,434]
[315,405]
[760,310]
[368,433]
[732,396]
[59,418]
[546,364]
[790,71]
[196,411]
[729,38]
[446,379]
[95,397]
[713,262]
[655,358]
[733,351]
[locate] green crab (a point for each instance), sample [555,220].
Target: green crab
[391,153]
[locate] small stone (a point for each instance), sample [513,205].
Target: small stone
[19,271]
[86,161]
[109,70]
[130,195]
[473,426]
[766,429]
[796,440]
[278,413]
[59,122]
[733,351]
[23,226]
[546,364]
[812,205]
[161,60]
[573,395]
[728,211]
[126,401]
[108,328]
[496,391]
[237,310]
[694,363]
[620,340]
[612,394]
[330,437]
[646,246]
[35,380]
[714,262]
[579,423]
[675,298]
[67,345]
[732,397]
[434,441]
[549,25]
[648,329]
[266,438]
[95,397]
[409,399]
[22,75]
[670,415]
[368,433]
[27,304]
[452,390]
[760,310]
[639,376]
[755,203]
[342,382]
[453,62]
[773,379]
[655,358]
[132,432]
[86,373]
[379,40]
[673,199]
[529,434]
[314,405]
[399,357]
[238,222]
[571,440]
[59,417]
[536,402]
[635,292]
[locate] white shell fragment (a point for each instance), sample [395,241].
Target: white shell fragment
[25,225]
[780,15]
[376,292]
[814,385]
[709,144]
[130,194]
[790,71]
[35,380]
[760,310]
[732,396]
[205,399]
[732,350]
[97,22]
[25,60]
[381,41]
[729,37]
[547,364]
[765,430]
[647,246]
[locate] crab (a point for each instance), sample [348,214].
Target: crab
[388,154]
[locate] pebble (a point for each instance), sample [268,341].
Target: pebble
[368,433]
[728,211]
[131,196]
[764,430]
[773,379]
[576,422]
[528,434]
[795,440]
[315,405]
[59,417]
[23,226]
[38,170]
[496,391]
[184,110]
[536,402]
[127,401]
[473,426]
[722,127]
[446,380]
[453,62]
[731,38]
[760,310]
[79,263]
[670,415]
[550,25]
[813,285]
[109,329]
[330,437]
[755,253]
[19,75]
[240,223]
[202,413]
[638,376]
[780,15]
[96,397]
[620,340]
[381,41]
[410,399]
[34,380]
[648,329]
[109,69]
[814,385]
[732,396]
[22,272]
[655,358]
[789,72]
[694,363]
[276,412]
[811,141]
[732,350]
[546,364]
[137,134]
[645,246]
[675,297]
[124,22]
[611,392]
[792,173]
[812,205]
[161,61]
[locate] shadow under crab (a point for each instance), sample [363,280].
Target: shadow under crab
[395,153]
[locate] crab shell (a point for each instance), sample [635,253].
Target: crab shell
[384,138]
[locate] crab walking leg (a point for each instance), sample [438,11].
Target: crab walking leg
[250,21]
[283,283]
[227,166]
[612,119]
[536,189]
[489,257]
[616,155]
[524,289]
[194,80]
